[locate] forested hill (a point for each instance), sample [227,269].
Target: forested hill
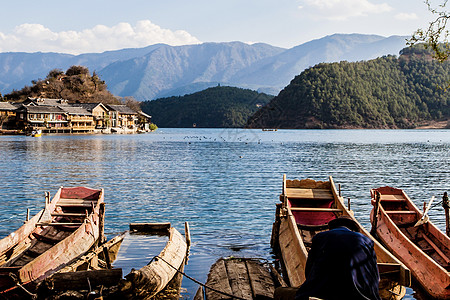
[386,92]
[212,108]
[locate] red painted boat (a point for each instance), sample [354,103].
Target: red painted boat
[306,208]
[424,249]
[65,229]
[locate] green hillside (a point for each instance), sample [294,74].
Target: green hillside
[386,92]
[217,107]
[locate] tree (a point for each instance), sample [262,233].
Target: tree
[436,35]
[77,70]
[132,103]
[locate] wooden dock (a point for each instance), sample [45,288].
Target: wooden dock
[239,278]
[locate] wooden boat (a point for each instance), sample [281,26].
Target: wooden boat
[66,228]
[144,283]
[423,248]
[306,208]
[234,277]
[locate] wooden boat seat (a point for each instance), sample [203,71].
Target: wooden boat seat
[59,224]
[394,198]
[68,215]
[298,193]
[400,212]
[86,205]
[318,209]
[436,248]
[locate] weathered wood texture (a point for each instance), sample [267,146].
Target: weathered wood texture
[152,278]
[84,280]
[85,262]
[294,240]
[150,227]
[50,240]
[199,295]
[424,249]
[239,277]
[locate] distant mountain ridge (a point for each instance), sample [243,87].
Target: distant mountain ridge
[162,71]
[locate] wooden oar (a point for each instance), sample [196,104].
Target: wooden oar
[425,218]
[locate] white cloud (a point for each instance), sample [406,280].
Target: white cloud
[343,9]
[406,16]
[36,37]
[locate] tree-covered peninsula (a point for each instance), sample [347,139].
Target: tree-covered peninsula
[387,92]
[217,107]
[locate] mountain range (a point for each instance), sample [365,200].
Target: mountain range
[162,71]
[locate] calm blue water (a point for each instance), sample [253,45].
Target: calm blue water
[225,183]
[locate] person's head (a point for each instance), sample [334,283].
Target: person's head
[343,221]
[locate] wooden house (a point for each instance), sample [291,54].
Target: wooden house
[7,115]
[122,116]
[99,112]
[144,121]
[42,117]
[80,120]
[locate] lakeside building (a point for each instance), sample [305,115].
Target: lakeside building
[7,115]
[123,117]
[60,116]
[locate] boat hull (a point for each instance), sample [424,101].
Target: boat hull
[51,239]
[432,276]
[295,226]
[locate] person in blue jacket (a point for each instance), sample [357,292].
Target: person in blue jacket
[341,264]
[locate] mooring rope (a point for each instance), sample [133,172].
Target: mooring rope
[16,281]
[196,281]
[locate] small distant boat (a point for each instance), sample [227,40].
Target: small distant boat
[65,229]
[269,129]
[306,208]
[36,133]
[421,246]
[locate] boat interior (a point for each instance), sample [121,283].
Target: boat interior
[71,210]
[306,196]
[405,216]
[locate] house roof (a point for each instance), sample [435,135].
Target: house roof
[90,106]
[6,106]
[45,101]
[41,109]
[75,110]
[123,109]
[144,114]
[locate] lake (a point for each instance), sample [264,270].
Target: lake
[224,182]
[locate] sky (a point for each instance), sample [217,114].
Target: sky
[86,26]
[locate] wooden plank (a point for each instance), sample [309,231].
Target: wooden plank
[436,248]
[392,198]
[149,227]
[324,194]
[260,280]
[319,209]
[60,224]
[294,257]
[64,204]
[238,277]
[218,279]
[400,212]
[68,215]
[82,279]
[76,201]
